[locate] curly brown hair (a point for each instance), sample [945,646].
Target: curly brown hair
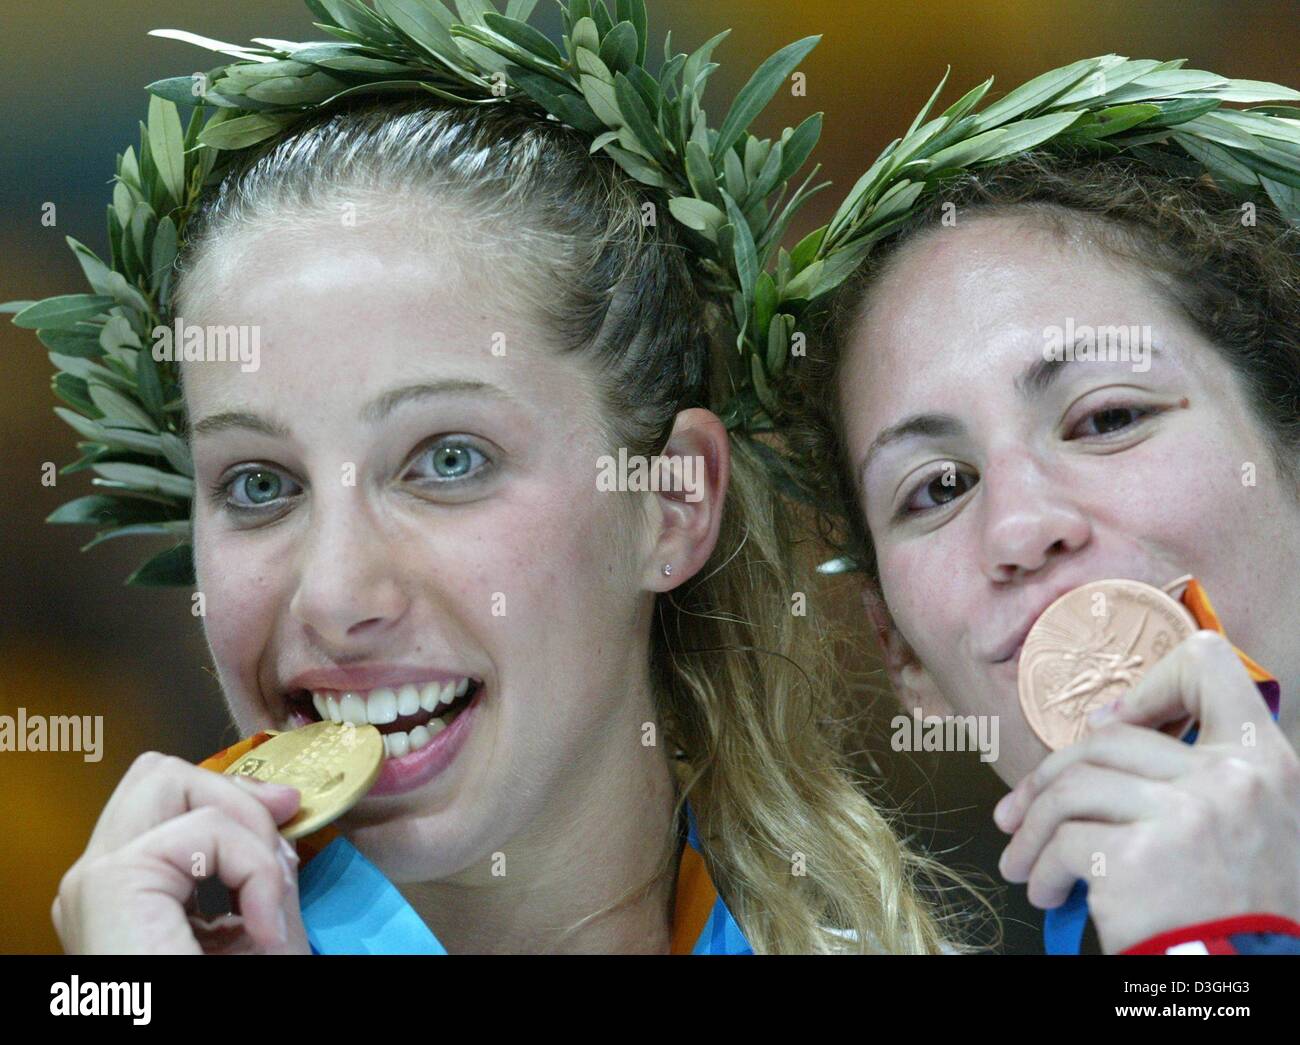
[1233,268]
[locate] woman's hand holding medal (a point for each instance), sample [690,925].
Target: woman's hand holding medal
[1166,834]
[168,824]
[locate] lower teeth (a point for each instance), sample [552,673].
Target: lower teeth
[398,744]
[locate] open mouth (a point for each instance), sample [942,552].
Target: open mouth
[408,716]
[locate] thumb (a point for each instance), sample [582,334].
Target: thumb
[281,801]
[1202,678]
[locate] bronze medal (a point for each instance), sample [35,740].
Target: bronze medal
[333,764]
[1092,645]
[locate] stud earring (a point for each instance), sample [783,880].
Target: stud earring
[668,569]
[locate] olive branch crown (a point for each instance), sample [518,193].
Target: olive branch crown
[730,191]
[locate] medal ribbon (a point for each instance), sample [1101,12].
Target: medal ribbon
[1063,926]
[350,907]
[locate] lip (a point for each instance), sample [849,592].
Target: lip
[1009,649]
[1014,656]
[399,775]
[365,677]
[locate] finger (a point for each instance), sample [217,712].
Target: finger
[250,867]
[159,787]
[225,934]
[222,923]
[1203,677]
[296,941]
[1085,792]
[1077,850]
[1120,746]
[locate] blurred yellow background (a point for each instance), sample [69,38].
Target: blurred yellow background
[74,641]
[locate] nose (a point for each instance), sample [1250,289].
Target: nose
[349,590]
[1029,517]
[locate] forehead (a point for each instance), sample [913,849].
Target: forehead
[961,311]
[341,311]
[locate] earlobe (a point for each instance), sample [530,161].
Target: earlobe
[913,684]
[918,689]
[697,470]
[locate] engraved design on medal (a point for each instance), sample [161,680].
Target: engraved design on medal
[254,767]
[332,765]
[1062,677]
[1098,665]
[311,769]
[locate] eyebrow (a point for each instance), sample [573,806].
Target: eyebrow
[932,426]
[373,412]
[1041,374]
[1032,382]
[385,404]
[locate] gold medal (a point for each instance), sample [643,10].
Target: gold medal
[333,764]
[1091,646]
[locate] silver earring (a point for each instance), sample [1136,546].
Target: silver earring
[668,569]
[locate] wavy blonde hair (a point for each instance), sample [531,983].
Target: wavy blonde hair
[748,691]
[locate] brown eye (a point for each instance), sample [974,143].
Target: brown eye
[942,488]
[1111,419]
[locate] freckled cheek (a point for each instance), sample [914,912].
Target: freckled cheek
[239,604]
[1187,496]
[541,554]
[933,606]
[923,592]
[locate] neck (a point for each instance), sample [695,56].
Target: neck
[602,883]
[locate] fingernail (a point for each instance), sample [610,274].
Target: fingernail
[288,863]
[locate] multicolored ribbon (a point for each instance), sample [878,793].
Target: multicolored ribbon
[350,907]
[1063,926]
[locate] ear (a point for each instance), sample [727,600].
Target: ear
[913,684]
[694,470]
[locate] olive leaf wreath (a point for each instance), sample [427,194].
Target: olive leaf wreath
[725,187]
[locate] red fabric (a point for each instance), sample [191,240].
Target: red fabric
[1216,933]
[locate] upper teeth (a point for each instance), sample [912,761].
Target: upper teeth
[384,705]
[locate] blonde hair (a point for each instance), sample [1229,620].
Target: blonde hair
[746,688]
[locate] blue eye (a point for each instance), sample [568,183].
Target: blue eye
[450,460]
[256,488]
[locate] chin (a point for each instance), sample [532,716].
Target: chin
[417,847]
